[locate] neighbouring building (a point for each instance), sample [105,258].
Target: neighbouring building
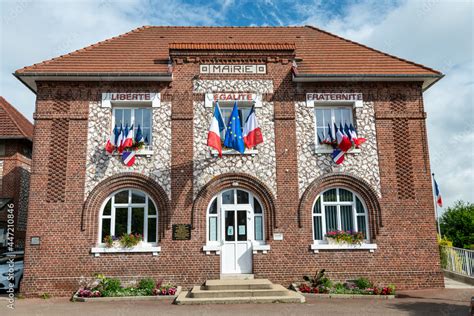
[16,136]
[265,212]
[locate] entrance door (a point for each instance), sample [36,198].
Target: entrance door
[236,249]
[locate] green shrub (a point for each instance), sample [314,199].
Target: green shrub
[318,279]
[363,283]
[147,285]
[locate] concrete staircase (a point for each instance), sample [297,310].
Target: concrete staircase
[232,291]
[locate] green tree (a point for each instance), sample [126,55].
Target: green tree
[457,224]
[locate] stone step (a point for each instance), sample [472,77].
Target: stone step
[292,297]
[237,284]
[275,290]
[236,276]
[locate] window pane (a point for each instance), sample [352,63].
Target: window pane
[121,214]
[330,196]
[345,196]
[151,230]
[318,228]
[228,197]
[258,227]
[327,117]
[151,207]
[321,134]
[331,218]
[361,225]
[138,197]
[138,216]
[105,228]
[241,225]
[146,121]
[317,206]
[242,197]
[213,228]
[257,208]
[346,218]
[320,117]
[346,116]
[213,207]
[359,206]
[337,116]
[108,208]
[118,113]
[122,197]
[229,226]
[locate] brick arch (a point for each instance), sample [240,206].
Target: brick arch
[235,181]
[356,184]
[127,180]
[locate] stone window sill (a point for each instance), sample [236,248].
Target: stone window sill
[317,247]
[148,152]
[329,150]
[154,250]
[230,152]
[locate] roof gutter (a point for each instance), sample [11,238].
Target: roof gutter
[30,79]
[428,80]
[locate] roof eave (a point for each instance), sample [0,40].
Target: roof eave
[428,80]
[29,79]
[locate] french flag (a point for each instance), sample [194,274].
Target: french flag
[343,141]
[214,134]
[338,156]
[357,140]
[110,145]
[119,140]
[252,132]
[128,140]
[439,199]
[128,158]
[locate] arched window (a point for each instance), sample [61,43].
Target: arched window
[129,211]
[339,209]
[239,200]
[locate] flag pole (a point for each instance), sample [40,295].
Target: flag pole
[436,208]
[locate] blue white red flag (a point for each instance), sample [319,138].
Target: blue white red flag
[439,199]
[356,139]
[252,132]
[139,136]
[343,141]
[110,145]
[119,139]
[128,140]
[233,136]
[214,134]
[338,156]
[128,158]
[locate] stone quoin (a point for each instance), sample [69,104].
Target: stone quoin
[265,212]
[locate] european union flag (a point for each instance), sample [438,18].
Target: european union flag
[233,134]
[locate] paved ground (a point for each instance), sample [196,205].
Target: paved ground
[422,302]
[453,284]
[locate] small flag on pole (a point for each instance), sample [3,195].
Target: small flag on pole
[110,146]
[139,136]
[439,199]
[128,141]
[252,132]
[214,134]
[119,139]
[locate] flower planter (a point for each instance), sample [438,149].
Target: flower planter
[294,287]
[76,298]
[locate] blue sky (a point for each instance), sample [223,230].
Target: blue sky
[436,33]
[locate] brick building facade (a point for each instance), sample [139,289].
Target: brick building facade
[264,212]
[16,135]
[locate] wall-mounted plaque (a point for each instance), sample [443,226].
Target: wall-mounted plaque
[181,231]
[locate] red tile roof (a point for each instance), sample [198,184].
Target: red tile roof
[233,46]
[12,123]
[139,50]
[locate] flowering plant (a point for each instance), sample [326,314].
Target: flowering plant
[130,240]
[109,241]
[88,293]
[349,237]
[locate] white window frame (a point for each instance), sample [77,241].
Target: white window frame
[323,244]
[148,149]
[230,104]
[144,246]
[323,148]
[214,245]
